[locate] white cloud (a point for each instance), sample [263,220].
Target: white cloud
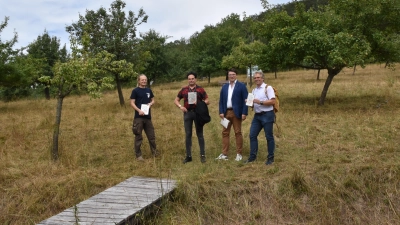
[175,18]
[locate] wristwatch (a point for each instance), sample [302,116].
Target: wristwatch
[261,102]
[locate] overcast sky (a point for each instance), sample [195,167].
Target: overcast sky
[175,18]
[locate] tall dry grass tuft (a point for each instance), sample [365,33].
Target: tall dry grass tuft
[335,164]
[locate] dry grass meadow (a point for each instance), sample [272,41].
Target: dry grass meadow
[335,164]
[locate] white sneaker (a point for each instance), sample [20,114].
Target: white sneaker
[239,157]
[222,156]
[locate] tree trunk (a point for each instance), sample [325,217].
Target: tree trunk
[54,150]
[47,93]
[386,64]
[276,76]
[331,74]
[354,69]
[119,89]
[319,70]
[209,78]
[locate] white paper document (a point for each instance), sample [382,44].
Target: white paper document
[145,108]
[250,98]
[224,122]
[192,96]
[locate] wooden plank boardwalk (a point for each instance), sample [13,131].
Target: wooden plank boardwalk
[116,205]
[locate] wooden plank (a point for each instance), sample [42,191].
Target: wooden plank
[100,210]
[102,205]
[90,217]
[117,204]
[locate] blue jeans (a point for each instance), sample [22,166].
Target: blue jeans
[189,118]
[259,122]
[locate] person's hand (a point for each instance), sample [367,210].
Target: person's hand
[221,115]
[243,117]
[141,113]
[183,109]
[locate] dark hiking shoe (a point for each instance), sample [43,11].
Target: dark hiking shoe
[249,161]
[269,161]
[203,159]
[187,159]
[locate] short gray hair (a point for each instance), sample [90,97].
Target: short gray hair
[259,72]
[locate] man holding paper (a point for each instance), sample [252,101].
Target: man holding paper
[232,108]
[191,95]
[142,99]
[264,117]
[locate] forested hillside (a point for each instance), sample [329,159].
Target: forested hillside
[310,34]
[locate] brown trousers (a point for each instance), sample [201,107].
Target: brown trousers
[140,124]
[237,128]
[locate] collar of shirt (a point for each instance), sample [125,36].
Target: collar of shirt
[263,85]
[192,89]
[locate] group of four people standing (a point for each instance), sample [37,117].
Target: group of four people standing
[232,106]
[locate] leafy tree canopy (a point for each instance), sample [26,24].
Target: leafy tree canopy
[214,42]
[114,32]
[48,50]
[156,64]
[9,74]
[314,40]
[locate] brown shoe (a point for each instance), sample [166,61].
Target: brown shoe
[140,158]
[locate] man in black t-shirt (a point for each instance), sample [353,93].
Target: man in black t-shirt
[142,99]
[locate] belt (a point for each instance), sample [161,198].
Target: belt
[191,110]
[229,109]
[261,113]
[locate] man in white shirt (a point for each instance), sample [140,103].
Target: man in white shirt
[264,117]
[232,106]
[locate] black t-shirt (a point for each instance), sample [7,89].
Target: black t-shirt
[142,96]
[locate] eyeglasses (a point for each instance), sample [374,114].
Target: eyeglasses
[256,77]
[231,74]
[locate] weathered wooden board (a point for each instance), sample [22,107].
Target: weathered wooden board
[117,204]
